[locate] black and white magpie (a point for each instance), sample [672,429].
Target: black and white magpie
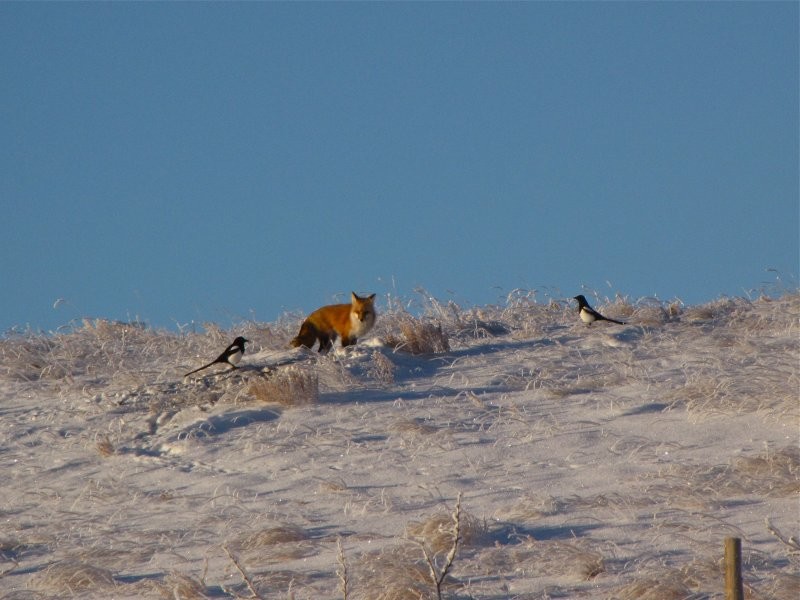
[588,314]
[232,355]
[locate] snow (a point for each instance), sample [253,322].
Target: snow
[601,462]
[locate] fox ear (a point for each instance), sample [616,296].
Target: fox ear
[355,297]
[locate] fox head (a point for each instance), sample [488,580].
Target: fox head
[363,308]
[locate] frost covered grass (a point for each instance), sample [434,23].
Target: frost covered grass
[291,386]
[604,461]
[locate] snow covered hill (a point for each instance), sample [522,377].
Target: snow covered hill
[577,462]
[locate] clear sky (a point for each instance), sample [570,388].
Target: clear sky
[193,162]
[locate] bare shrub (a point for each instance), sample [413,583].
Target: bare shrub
[398,573]
[290,386]
[341,571]
[245,575]
[439,571]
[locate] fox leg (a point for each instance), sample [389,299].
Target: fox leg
[348,341]
[306,337]
[325,343]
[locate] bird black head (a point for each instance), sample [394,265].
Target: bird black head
[240,341]
[581,300]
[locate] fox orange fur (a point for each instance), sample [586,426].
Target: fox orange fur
[348,321]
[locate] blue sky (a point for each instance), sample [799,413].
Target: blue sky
[194,162]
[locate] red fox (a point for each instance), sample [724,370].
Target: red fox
[349,321]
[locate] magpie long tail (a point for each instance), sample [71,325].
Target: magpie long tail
[201,368]
[213,362]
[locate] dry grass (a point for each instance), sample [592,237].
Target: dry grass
[666,587]
[276,544]
[417,336]
[702,578]
[123,354]
[780,586]
[744,358]
[649,315]
[413,426]
[289,386]
[531,509]
[333,486]
[183,587]
[777,471]
[583,384]
[774,474]
[105,447]
[341,571]
[270,536]
[436,532]
[577,560]
[624,310]
[88,347]
[68,578]
[720,391]
[395,573]
[381,369]
[398,573]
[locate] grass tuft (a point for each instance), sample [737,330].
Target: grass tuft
[290,386]
[68,577]
[281,534]
[774,474]
[653,589]
[105,447]
[436,532]
[394,573]
[380,368]
[417,336]
[179,585]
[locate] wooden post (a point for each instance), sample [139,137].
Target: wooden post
[734,589]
